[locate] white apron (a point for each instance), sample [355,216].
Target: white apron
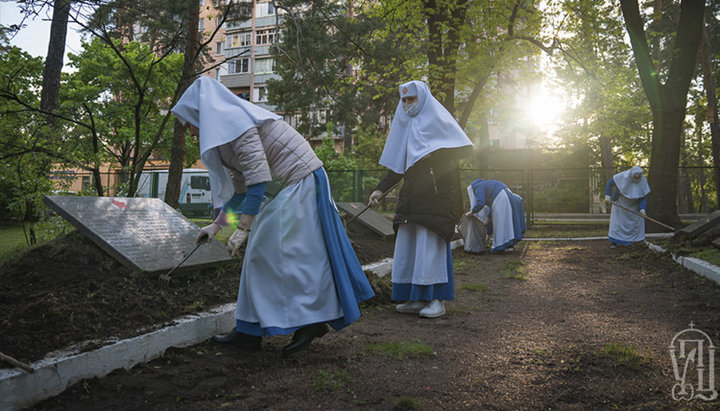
[624,225]
[287,279]
[420,256]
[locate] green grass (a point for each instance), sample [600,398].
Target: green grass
[475,287]
[330,381]
[12,237]
[401,350]
[623,355]
[407,403]
[513,269]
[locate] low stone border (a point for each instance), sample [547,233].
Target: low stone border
[696,265]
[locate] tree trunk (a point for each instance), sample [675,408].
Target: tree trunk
[667,102]
[54,59]
[177,152]
[712,111]
[607,160]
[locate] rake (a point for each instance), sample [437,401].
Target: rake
[165,278]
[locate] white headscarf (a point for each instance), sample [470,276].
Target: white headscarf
[628,186]
[412,138]
[221,117]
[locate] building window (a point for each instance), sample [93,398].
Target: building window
[239,40]
[218,47]
[259,94]
[265,37]
[217,74]
[201,24]
[241,65]
[264,66]
[265,9]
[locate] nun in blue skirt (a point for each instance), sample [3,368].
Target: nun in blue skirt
[423,150]
[299,271]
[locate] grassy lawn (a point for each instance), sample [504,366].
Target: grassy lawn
[12,237]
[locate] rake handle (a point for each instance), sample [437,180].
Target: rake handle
[642,215]
[16,363]
[368,206]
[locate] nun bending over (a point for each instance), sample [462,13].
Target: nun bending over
[299,271]
[500,209]
[422,149]
[629,189]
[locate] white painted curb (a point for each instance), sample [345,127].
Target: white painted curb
[696,265]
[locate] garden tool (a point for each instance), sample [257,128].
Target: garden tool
[368,206]
[643,216]
[166,277]
[10,360]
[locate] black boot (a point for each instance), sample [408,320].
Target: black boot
[241,340]
[303,337]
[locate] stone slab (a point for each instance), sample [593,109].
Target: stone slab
[144,234]
[370,218]
[695,229]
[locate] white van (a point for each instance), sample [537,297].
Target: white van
[195,196]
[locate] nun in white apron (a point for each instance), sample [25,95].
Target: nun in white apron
[492,202]
[299,270]
[629,189]
[422,149]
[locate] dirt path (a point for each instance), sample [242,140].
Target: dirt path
[554,325]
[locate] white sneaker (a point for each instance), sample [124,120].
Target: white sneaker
[435,309]
[411,307]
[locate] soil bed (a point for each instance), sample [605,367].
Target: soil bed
[69,291]
[553,325]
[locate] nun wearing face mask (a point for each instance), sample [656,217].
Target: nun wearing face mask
[629,189]
[299,270]
[422,149]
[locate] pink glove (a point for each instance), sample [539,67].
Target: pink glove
[207,233]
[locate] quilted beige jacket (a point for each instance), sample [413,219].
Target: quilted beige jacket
[272,150]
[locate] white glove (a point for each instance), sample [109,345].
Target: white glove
[207,233]
[236,240]
[643,213]
[375,198]
[607,198]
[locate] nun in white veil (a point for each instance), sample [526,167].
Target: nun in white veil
[299,270]
[628,189]
[422,149]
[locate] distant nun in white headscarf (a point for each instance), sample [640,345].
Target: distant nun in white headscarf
[423,148]
[629,189]
[299,270]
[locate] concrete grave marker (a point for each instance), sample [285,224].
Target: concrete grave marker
[370,218]
[144,234]
[700,226]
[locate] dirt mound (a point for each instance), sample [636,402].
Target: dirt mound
[69,290]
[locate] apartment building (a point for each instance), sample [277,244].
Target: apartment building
[246,46]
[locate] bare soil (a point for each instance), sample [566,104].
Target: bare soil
[565,325]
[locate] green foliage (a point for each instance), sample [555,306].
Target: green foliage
[23,138]
[408,403]
[118,99]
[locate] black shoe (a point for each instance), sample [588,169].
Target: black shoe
[303,337]
[241,340]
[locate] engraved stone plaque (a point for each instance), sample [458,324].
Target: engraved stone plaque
[143,234]
[370,218]
[699,227]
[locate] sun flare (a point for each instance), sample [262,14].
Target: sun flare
[546,109]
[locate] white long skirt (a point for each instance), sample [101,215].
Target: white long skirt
[625,227]
[287,280]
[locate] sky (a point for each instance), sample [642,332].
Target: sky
[35,36]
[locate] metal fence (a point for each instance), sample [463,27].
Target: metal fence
[578,191]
